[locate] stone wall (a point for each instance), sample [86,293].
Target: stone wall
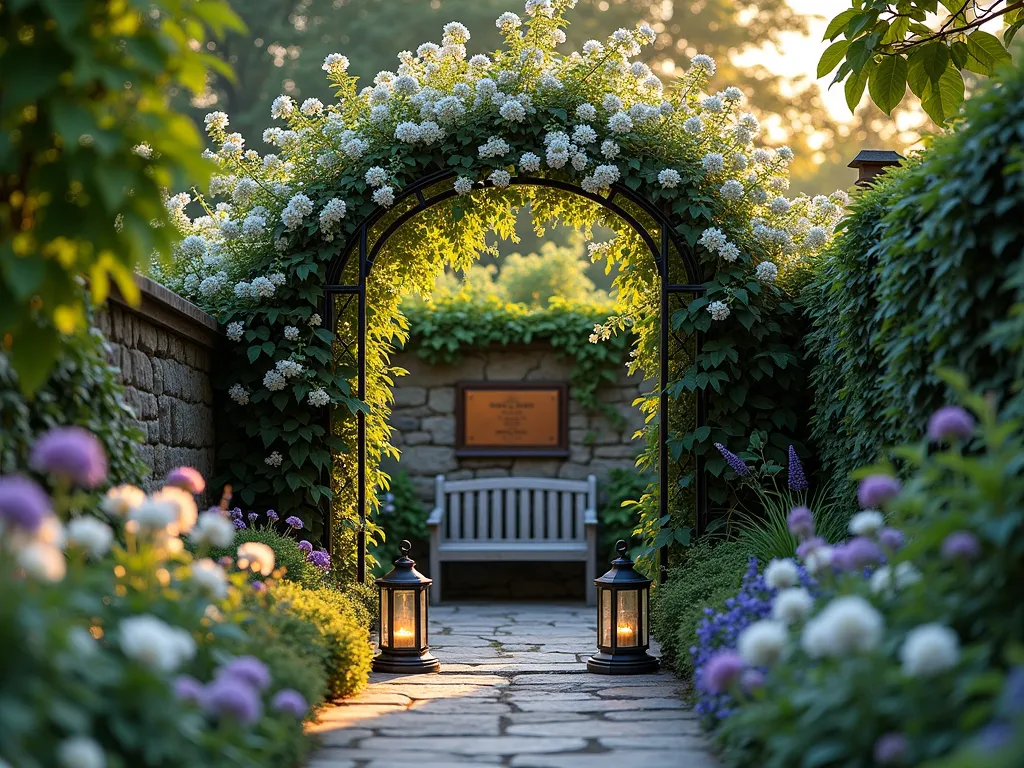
[164,348]
[424,419]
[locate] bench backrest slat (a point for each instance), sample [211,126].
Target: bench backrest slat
[517,509]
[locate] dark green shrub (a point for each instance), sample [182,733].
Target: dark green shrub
[401,516]
[925,275]
[616,521]
[367,596]
[82,389]
[347,641]
[343,602]
[711,573]
[289,558]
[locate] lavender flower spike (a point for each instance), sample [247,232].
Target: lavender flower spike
[733,460]
[797,478]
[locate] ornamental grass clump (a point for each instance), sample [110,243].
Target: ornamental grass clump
[122,647]
[900,656]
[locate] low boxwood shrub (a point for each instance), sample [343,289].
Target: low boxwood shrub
[711,573]
[346,638]
[368,596]
[291,560]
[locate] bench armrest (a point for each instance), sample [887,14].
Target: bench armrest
[590,517]
[435,517]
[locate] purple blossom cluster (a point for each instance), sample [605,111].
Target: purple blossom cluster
[734,461]
[320,558]
[797,477]
[236,692]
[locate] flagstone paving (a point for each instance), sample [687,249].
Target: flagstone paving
[513,691]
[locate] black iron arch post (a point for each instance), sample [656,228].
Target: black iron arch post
[680,277]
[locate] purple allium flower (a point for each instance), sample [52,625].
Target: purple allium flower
[805,548]
[233,697]
[733,460]
[272,515]
[305,546]
[188,689]
[890,749]
[253,517]
[875,490]
[259,587]
[248,669]
[289,701]
[187,479]
[236,513]
[950,423]
[71,454]
[752,680]
[721,671]
[859,552]
[801,522]
[23,503]
[891,539]
[961,545]
[239,524]
[320,559]
[797,478]
[294,522]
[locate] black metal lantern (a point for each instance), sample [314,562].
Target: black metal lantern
[622,620]
[403,619]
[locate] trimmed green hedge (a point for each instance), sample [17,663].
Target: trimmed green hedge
[346,639]
[925,274]
[711,573]
[288,557]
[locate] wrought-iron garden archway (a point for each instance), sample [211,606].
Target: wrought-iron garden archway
[681,279]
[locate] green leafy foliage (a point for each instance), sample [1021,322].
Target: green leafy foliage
[347,640]
[892,45]
[289,558]
[928,271]
[402,516]
[619,515]
[81,389]
[710,573]
[88,142]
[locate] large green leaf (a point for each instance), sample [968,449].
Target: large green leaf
[942,101]
[984,52]
[830,59]
[930,60]
[888,83]
[838,24]
[855,87]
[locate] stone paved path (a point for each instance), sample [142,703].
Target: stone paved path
[513,691]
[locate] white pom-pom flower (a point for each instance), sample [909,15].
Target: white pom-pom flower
[792,605]
[866,523]
[848,624]
[763,643]
[929,650]
[781,573]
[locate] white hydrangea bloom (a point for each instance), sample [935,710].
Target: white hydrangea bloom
[262,288]
[779,205]
[866,523]
[254,225]
[318,397]
[512,111]
[785,154]
[239,394]
[611,103]
[450,109]
[277,278]
[500,178]
[704,63]
[732,93]
[693,125]
[297,209]
[494,147]
[713,162]
[713,238]
[528,161]
[584,134]
[729,252]
[669,178]
[243,290]
[406,85]
[216,121]
[479,61]
[592,48]
[289,368]
[763,643]
[407,132]
[312,107]
[732,190]
[713,104]
[193,247]
[335,63]
[283,106]
[792,605]
[508,22]
[92,535]
[331,217]
[847,625]
[154,643]
[620,122]
[609,149]
[762,156]
[214,529]
[586,112]
[376,176]
[929,650]
[315,320]
[274,459]
[463,185]
[719,310]
[385,196]
[291,333]
[766,272]
[816,238]
[781,573]
[210,577]
[274,381]
[234,330]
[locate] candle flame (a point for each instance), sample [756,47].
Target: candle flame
[403,632]
[625,630]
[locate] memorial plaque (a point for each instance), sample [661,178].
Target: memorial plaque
[506,419]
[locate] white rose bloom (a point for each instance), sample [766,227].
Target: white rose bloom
[848,624]
[866,523]
[90,534]
[211,578]
[213,528]
[42,561]
[155,644]
[792,605]
[781,573]
[121,500]
[929,650]
[256,557]
[80,752]
[763,643]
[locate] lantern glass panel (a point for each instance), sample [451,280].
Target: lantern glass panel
[423,617]
[627,620]
[643,617]
[605,630]
[405,618]
[384,639]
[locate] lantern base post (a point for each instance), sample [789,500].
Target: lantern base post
[405,665]
[642,663]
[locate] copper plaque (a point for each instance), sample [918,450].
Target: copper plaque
[512,418]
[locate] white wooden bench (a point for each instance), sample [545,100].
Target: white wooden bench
[514,519]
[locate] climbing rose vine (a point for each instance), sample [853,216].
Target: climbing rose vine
[596,117]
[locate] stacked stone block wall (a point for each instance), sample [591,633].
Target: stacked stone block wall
[424,419]
[164,348]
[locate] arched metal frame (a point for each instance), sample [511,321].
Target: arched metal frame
[660,251]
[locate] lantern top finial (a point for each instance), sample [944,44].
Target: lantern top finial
[404,571]
[405,547]
[622,571]
[620,547]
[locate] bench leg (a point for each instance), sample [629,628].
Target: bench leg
[591,588]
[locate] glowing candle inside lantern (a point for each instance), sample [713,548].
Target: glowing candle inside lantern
[404,638]
[625,635]
[405,619]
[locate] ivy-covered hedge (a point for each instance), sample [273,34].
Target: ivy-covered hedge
[441,331]
[926,273]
